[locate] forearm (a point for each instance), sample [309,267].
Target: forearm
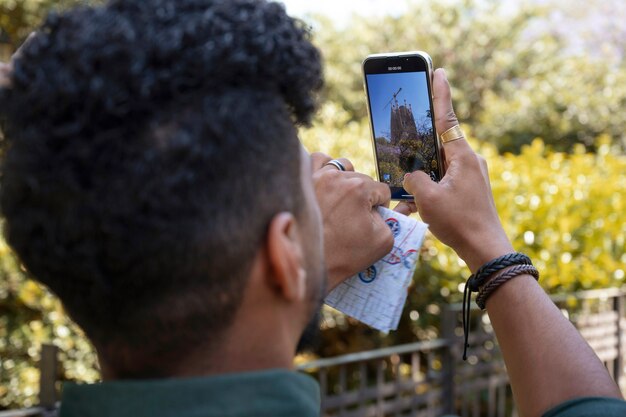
[547,360]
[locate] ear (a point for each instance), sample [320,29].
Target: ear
[286,257]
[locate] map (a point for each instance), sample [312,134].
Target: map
[376,296]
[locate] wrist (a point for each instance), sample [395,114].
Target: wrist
[479,255]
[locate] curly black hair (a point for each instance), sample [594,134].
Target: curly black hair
[147,145]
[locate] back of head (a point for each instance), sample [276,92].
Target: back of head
[147,145]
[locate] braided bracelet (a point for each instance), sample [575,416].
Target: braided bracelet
[495,283]
[477,280]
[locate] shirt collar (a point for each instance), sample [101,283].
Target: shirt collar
[274,392]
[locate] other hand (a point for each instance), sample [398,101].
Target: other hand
[355,235]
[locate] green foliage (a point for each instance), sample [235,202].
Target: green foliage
[19,17]
[513,78]
[510,85]
[29,316]
[566,211]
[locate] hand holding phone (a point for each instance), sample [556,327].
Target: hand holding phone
[399,97]
[460,209]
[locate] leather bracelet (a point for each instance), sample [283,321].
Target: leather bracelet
[479,278]
[496,282]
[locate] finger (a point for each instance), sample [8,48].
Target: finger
[382,236]
[347,165]
[419,185]
[318,159]
[445,118]
[405,207]
[378,193]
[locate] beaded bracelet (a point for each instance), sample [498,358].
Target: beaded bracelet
[488,289]
[478,279]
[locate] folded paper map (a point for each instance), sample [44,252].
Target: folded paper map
[377,295]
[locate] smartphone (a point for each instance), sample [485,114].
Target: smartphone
[398,86]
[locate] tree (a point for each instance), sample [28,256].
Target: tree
[513,77]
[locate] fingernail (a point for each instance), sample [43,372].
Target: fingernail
[445,75]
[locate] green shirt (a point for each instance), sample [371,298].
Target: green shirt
[273,393]
[589,407]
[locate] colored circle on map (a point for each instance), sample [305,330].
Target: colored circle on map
[368,275]
[394,225]
[409,258]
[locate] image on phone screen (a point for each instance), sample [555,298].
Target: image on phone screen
[402,122]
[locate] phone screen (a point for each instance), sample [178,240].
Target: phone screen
[401,116]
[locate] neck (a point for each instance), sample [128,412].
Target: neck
[249,347]
[257,339]
[263,334]
[239,350]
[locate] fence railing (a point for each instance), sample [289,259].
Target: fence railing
[427,379]
[48,394]
[430,379]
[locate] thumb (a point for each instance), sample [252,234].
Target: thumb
[445,118]
[419,184]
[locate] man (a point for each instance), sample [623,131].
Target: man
[170,190]
[153,179]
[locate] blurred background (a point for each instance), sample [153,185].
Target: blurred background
[540,86]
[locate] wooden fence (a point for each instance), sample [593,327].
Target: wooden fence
[427,379]
[430,379]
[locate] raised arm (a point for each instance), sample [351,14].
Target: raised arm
[548,361]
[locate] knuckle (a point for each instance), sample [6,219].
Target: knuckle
[468,158]
[324,177]
[450,117]
[357,185]
[386,192]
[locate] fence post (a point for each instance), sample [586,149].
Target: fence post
[48,376]
[448,325]
[618,364]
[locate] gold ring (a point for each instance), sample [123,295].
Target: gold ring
[452,134]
